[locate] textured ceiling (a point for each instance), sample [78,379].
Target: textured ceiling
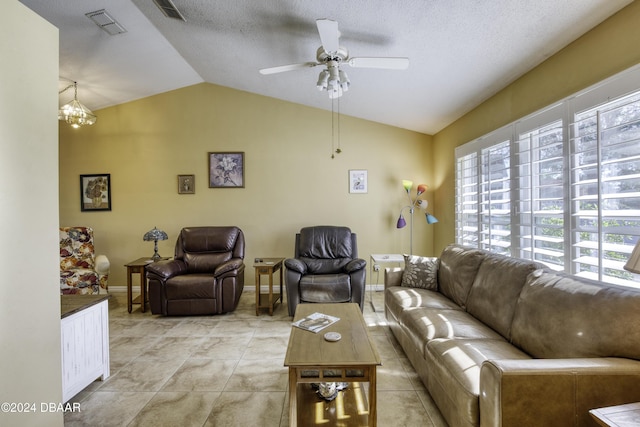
[461,51]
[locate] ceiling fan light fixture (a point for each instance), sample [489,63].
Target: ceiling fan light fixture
[323,80]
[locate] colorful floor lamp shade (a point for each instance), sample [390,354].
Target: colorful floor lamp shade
[155,235]
[413,203]
[633,263]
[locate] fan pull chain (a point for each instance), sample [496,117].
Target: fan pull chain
[335,128]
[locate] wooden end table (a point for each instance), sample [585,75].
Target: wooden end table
[268,266]
[138,266]
[617,416]
[312,359]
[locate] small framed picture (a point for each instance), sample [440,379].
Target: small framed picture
[95,192]
[357,181]
[186,184]
[226,170]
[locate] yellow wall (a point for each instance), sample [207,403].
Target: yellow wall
[606,50]
[291,180]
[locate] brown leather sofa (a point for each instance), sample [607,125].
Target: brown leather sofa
[506,342]
[206,275]
[325,268]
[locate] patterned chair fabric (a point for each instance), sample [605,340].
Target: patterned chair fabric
[81,271]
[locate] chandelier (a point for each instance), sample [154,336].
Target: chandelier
[74,112]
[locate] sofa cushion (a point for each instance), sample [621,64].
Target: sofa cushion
[560,316]
[398,298]
[420,272]
[457,271]
[325,288]
[425,324]
[495,291]
[454,374]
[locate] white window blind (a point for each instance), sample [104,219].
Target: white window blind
[605,196]
[561,186]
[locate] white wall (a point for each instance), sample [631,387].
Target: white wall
[29,288]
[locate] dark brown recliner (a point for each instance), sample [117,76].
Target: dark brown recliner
[326,268]
[206,275]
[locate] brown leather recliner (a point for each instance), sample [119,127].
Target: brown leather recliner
[326,268]
[206,275]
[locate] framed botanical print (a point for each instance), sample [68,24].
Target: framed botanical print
[95,192]
[226,170]
[357,181]
[186,184]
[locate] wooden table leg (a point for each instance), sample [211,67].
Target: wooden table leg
[293,401]
[129,290]
[373,409]
[257,292]
[281,291]
[143,289]
[271,292]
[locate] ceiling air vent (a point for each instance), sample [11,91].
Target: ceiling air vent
[169,9]
[102,19]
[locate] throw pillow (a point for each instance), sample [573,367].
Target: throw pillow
[420,272]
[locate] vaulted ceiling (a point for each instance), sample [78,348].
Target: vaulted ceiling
[461,52]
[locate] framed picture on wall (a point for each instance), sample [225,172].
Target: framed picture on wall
[95,192]
[226,170]
[186,184]
[357,181]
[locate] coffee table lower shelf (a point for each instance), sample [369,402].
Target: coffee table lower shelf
[349,408]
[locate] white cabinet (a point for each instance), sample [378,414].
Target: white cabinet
[85,342]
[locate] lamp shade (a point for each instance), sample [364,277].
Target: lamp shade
[431,219]
[407,184]
[422,204]
[633,263]
[422,188]
[155,235]
[401,222]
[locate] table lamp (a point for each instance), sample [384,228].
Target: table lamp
[155,235]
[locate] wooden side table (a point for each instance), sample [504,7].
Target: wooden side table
[268,266]
[137,266]
[617,416]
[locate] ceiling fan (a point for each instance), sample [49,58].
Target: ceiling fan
[333,79]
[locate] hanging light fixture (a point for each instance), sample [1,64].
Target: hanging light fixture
[74,112]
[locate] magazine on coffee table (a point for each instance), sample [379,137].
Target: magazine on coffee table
[315,322]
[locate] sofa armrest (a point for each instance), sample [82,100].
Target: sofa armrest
[231,265]
[355,265]
[536,392]
[102,265]
[393,276]
[166,269]
[295,265]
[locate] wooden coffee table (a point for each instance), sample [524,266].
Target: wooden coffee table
[352,359]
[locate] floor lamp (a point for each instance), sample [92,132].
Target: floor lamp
[413,203]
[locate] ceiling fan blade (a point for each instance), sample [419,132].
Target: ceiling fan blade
[329,34]
[388,63]
[291,67]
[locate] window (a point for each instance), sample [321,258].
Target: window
[561,186]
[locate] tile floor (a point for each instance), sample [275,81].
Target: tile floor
[226,371]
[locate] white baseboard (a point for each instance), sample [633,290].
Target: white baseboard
[250,288]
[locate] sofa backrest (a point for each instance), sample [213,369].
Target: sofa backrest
[457,271]
[561,316]
[326,249]
[204,248]
[76,248]
[495,290]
